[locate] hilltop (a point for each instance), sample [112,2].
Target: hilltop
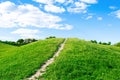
[22,62]
[79,60]
[5,47]
[83,60]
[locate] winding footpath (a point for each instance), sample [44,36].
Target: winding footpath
[42,70]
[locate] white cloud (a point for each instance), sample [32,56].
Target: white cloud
[89,17]
[12,15]
[69,2]
[53,8]
[116,14]
[44,1]
[89,1]
[5,9]
[78,7]
[112,7]
[26,33]
[60,1]
[99,18]
[74,6]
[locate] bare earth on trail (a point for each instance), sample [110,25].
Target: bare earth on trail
[47,63]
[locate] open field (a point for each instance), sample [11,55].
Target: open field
[22,62]
[81,60]
[5,47]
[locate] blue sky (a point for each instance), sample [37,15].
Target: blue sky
[86,19]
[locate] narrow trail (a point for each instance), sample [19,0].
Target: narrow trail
[42,70]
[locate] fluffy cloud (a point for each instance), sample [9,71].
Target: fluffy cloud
[74,6]
[44,1]
[89,1]
[60,1]
[78,7]
[116,14]
[5,17]
[53,8]
[12,15]
[26,33]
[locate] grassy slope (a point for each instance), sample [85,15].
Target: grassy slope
[81,60]
[117,44]
[5,47]
[24,61]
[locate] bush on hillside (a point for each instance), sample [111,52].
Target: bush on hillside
[103,43]
[25,41]
[50,37]
[19,42]
[117,44]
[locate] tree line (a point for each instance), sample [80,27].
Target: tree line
[103,43]
[21,42]
[117,44]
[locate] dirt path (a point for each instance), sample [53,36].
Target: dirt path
[47,63]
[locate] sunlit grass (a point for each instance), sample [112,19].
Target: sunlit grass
[22,62]
[5,47]
[81,60]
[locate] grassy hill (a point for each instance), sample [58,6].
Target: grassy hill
[5,47]
[81,60]
[21,62]
[117,44]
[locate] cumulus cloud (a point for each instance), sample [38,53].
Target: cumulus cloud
[60,1]
[12,15]
[53,8]
[89,1]
[5,18]
[26,33]
[74,6]
[77,7]
[44,1]
[116,14]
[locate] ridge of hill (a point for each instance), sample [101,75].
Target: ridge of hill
[4,46]
[82,60]
[24,61]
[79,60]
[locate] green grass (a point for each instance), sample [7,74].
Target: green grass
[117,44]
[5,47]
[81,60]
[22,62]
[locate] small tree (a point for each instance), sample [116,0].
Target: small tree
[109,43]
[100,42]
[33,40]
[50,37]
[94,41]
[26,41]
[104,43]
[117,44]
[20,41]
